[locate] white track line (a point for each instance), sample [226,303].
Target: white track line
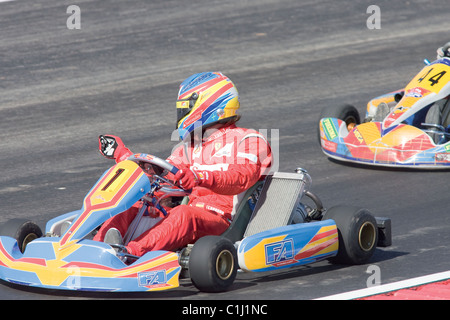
[389,287]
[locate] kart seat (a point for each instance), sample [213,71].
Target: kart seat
[438,114]
[242,212]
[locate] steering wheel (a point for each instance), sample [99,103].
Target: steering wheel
[158,167]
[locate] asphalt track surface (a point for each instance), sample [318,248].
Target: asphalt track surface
[119,74]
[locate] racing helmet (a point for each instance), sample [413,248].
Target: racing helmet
[206,99]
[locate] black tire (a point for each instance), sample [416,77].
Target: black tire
[434,116]
[24,231]
[346,112]
[358,234]
[213,264]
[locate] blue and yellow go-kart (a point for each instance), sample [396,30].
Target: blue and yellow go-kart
[273,227]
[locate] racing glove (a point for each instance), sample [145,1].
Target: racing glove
[188,179]
[112,147]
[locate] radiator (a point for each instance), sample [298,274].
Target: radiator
[277,202]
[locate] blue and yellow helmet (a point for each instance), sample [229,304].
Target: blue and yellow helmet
[205,99]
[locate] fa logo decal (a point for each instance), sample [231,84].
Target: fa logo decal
[279,251]
[151,278]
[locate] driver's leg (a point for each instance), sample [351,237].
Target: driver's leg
[183,225]
[120,222]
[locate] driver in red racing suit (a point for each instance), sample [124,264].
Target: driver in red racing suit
[216,159]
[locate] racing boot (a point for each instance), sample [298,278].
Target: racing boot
[115,240]
[64,227]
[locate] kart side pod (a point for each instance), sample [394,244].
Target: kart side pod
[345,233]
[288,246]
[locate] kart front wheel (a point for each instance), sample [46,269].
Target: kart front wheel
[358,234]
[24,231]
[213,264]
[345,112]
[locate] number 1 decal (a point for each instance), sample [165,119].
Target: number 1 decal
[114,178]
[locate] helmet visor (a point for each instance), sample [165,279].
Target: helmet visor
[184,106]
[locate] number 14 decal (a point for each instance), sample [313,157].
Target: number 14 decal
[433,79]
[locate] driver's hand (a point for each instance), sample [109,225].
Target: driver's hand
[188,179]
[112,147]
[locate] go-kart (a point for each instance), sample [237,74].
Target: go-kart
[408,127]
[273,227]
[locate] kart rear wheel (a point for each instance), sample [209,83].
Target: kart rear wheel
[213,264]
[24,231]
[358,234]
[346,112]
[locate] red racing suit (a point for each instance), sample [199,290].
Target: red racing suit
[229,161]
